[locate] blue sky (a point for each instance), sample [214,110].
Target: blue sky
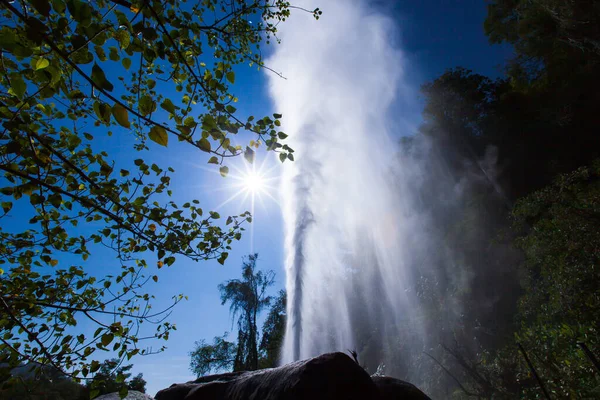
[434,35]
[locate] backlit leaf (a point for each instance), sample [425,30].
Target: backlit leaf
[159,135]
[17,85]
[121,115]
[41,63]
[230,77]
[123,38]
[168,106]
[204,145]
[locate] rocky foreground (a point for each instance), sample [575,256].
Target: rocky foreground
[327,377]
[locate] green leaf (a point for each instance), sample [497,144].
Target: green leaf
[224,170]
[126,62]
[168,106]
[282,135]
[159,135]
[42,6]
[290,157]
[100,79]
[121,115]
[222,258]
[123,392]
[106,339]
[41,63]
[249,155]
[18,87]
[114,54]
[282,157]
[147,105]
[7,206]
[155,278]
[103,111]
[59,6]
[55,199]
[94,393]
[213,160]
[204,145]
[100,52]
[123,38]
[81,12]
[230,77]
[169,261]
[95,365]
[190,122]
[277,116]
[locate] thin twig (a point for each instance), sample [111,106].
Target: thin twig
[533,371]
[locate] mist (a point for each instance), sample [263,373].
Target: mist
[367,200]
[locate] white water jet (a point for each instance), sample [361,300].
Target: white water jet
[347,231]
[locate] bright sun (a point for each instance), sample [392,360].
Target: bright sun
[251,183]
[254,182]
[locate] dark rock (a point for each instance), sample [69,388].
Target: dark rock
[395,389]
[327,377]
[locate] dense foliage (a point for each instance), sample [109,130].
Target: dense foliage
[521,298]
[247,298]
[78,79]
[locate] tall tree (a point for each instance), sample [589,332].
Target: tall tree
[273,331]
[172,66]
[554,84]
[247,297]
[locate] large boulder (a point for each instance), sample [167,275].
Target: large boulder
[395,389]
[327,377]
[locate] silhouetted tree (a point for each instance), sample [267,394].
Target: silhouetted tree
[247,298]
[273,332]
[218,356]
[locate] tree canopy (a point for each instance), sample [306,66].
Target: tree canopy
[77,77]
[516,314]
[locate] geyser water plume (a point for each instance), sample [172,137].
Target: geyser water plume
[347,230]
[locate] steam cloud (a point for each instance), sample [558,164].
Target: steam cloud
[342,222]
[368,261]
